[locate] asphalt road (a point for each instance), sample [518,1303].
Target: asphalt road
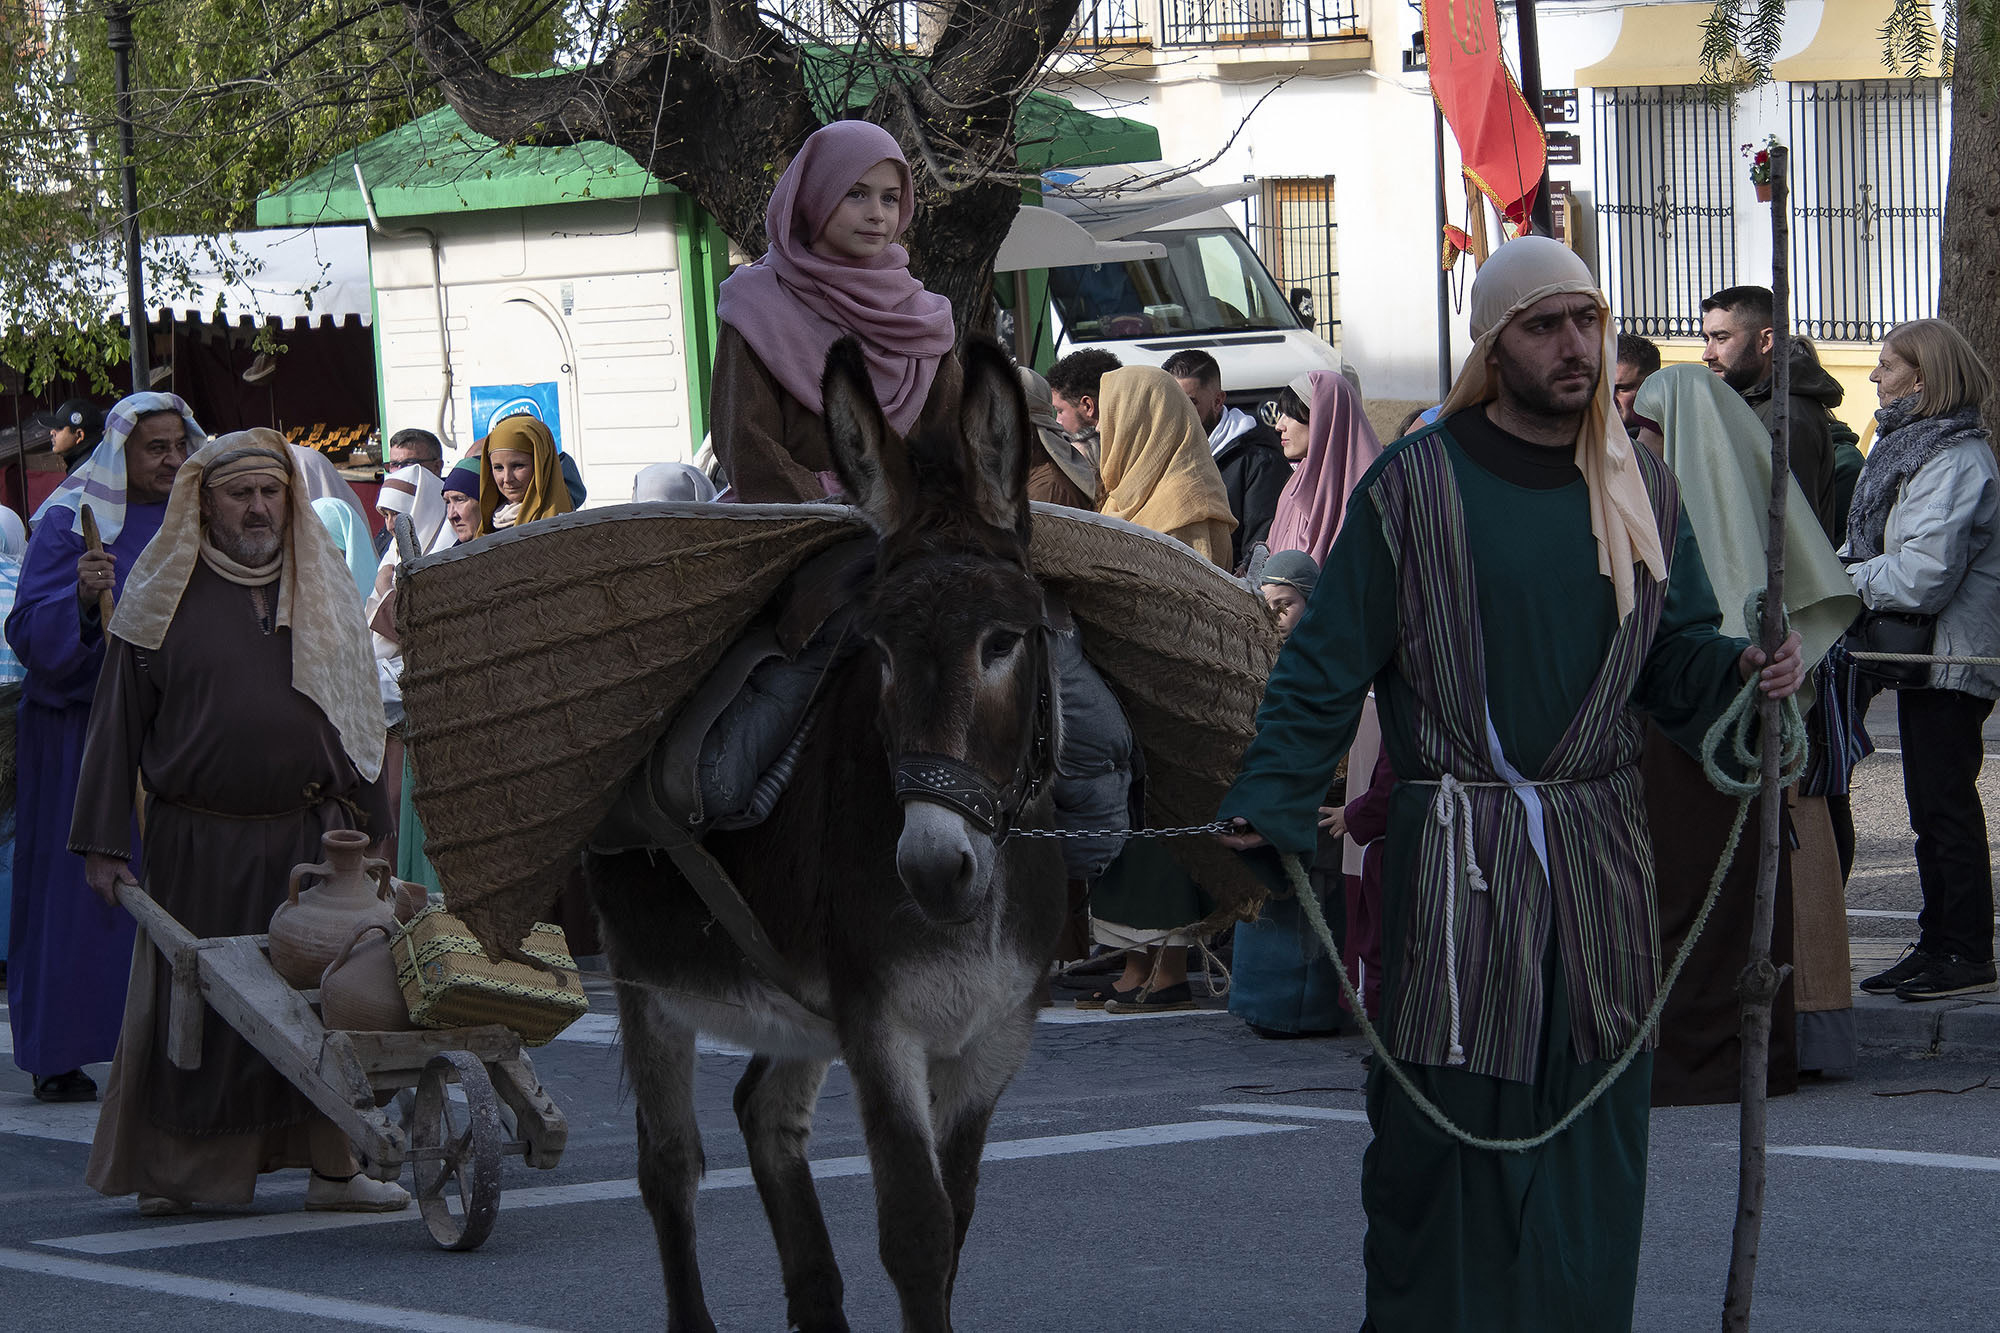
[1145,1174]
[1170,1172]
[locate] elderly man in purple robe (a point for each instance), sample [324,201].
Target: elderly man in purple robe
[67,952]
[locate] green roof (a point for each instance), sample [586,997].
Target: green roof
[439,164]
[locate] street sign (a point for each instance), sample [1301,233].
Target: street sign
[1558,106]
[1564,149]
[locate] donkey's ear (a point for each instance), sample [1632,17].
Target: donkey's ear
[993,417]
[867,455]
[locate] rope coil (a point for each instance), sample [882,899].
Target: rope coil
[1736,723]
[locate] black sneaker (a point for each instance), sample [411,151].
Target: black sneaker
[1949,975]
[1909,967]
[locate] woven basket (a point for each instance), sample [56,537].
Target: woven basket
[449,982]
[541,665]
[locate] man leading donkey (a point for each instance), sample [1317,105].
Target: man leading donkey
[1517,581]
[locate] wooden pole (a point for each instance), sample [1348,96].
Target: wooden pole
[106,603]
[1759,983]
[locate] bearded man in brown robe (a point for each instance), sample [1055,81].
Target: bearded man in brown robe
[239,689]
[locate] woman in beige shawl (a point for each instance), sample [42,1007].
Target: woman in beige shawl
[1157,471]
[1154,462]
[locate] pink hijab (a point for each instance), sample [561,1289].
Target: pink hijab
[1340,446]
[792,304]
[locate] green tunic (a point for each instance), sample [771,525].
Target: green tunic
[1458,1239]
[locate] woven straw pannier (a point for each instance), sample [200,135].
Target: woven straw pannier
[449,982]
[542,663]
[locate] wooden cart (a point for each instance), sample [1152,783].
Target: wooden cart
[453,1148]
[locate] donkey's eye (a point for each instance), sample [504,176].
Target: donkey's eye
[998,645]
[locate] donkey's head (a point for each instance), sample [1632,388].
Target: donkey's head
[955,618]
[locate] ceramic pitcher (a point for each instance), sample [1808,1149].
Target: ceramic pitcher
[310,928]
[359,991]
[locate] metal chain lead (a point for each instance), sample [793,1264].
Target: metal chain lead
[1191,831]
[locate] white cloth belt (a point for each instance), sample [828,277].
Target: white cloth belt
[1453,809]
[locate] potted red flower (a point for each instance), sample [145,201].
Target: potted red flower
[1760,166]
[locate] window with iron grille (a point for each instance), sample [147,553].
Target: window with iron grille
[1291,224]
[1107,23]
[1868,169]
[1209,22]
[1666,174]
[889,23]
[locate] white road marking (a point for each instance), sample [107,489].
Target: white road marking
[602,1029]
[1284,1111]
[260,1298]
[1891,1157]
[165,1235]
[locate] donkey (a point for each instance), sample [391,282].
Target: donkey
[918,934]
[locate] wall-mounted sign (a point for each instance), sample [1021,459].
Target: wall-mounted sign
[1559,106]
[497,402]
[1564,150]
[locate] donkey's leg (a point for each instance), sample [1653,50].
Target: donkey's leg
[659,1059]
[914,1225]
[774,1107]
[964,1091]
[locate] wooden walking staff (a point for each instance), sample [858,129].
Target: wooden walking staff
[1759,983]
[95,545]
[106,604]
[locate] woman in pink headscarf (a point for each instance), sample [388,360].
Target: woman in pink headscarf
[1339,445]
[833,269]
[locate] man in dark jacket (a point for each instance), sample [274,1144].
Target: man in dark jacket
[1247,452]
[1736,344]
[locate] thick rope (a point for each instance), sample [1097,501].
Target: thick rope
[1739,717]
[1935,659]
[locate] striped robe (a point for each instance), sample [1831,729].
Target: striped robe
[1474,606]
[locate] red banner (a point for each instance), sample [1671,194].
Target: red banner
[1499,135]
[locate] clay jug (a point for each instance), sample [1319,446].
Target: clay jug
[410,897]
[359,991]
[309,928]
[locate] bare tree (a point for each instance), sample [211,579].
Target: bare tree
[715,96]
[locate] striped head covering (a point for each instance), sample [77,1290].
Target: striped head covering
[100,482]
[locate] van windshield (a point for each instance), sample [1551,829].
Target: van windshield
[1208,282]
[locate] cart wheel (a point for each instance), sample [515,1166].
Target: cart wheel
[457,1146]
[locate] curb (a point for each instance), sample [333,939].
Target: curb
[1966,1027]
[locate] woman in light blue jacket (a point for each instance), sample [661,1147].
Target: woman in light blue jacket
[1921,538]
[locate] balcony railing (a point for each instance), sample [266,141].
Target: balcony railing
[886,23]
[1108,23]
[1224,22]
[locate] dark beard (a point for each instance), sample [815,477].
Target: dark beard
[1535,396]
[253,547]
[1744,375]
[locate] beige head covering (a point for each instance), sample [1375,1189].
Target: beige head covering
[317,598]
[1155,462]
[1518,275]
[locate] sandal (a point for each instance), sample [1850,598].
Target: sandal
[1105,996]
[1166,999]
[74,1086]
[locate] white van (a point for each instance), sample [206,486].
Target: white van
[1206,288]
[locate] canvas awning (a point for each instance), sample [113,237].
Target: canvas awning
[1043,238]
[1658,46]
[291,275]
[1848,45]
